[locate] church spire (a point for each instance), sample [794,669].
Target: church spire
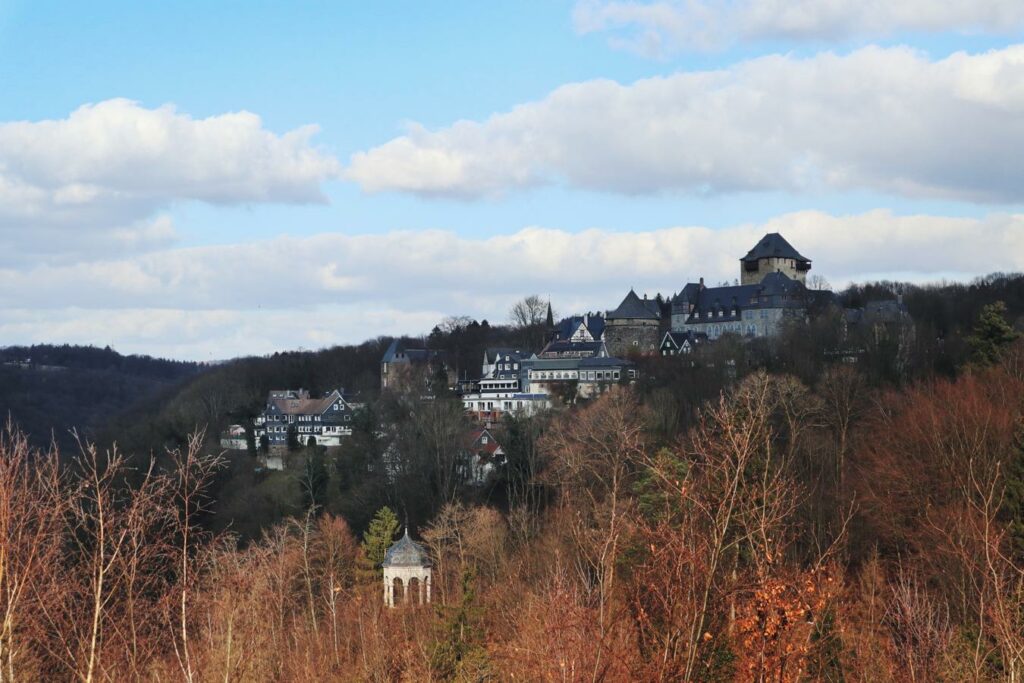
[551,316]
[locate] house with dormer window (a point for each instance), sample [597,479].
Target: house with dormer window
[313,421]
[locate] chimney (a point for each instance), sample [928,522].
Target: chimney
[702,283]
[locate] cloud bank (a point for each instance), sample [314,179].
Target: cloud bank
[98,179]
[659,28]
[290,292]
[881,119]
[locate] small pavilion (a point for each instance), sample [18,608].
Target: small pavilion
[406,573]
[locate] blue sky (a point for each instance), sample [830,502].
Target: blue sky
[573,149]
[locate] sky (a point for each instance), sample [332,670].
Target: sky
[203,180]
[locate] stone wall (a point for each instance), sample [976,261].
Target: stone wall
[623,337]
[786,266]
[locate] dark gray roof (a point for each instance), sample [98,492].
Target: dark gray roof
[399,352]
[773,245]
[688,293]
[406,553]
[776,290]
[632,307]
[561,347]
[494,353]
[678,338]
[567,326]
[608,361]
[552,363]
[393,350]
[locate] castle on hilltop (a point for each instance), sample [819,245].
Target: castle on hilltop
[772,288]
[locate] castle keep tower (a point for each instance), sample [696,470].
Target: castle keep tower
[634,326]
[773,254]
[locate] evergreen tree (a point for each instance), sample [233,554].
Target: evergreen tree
[459,653]
[1013,499]
[250,439]
[293,438]
[991,334]
[376,541]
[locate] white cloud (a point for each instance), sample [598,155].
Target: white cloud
[665,26]
[886,120]
[258,297]
[99,177]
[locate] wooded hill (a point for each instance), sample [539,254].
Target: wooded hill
[845,529]
[51,390]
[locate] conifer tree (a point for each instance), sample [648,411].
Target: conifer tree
[376,541]
[991,334]
[459,653]
[1013,499]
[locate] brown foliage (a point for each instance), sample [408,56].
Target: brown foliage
[699,561]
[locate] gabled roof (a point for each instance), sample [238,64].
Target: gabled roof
[689,293]
[406,553]
[773,245]
[493,354]
[568,326]
[632,307]
[305,405]
[677,339]
[473,441]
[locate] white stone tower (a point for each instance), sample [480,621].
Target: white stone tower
[406,573]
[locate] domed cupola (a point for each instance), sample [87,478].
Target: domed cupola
[406,568]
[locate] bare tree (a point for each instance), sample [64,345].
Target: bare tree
[594,456]
[529,311]
[31,522]
[818,282]
[192,474]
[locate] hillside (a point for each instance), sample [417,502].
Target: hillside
[50,390]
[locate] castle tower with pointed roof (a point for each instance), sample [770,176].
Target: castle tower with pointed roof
[773,254]
[633,327]
[406,568]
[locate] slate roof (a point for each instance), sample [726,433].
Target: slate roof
[493,354]
[635,308]
[393,350]
[305,405]
[688,293]
[553,363]
[606,362]
[678,338]
[559,347]
[406,553]
[776,290]
[567,326]
[398,352]
[774,245]
[473,441]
